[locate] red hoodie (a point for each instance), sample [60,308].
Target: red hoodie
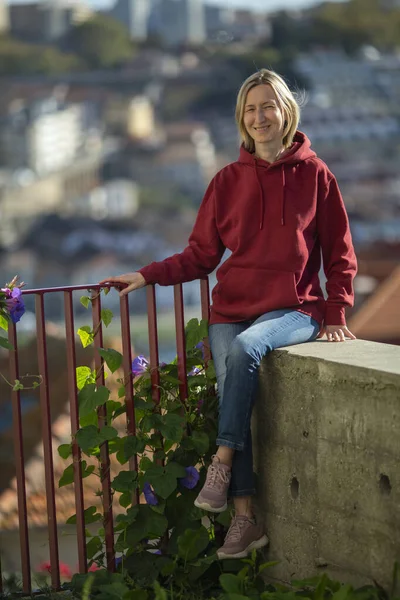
[274,218]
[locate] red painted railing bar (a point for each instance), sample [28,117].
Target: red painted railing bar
[153,343]
[128,380]
[47,441]
[74,410]
[205,314]
[104,454]
[19,464]
[67,288]
[180,341]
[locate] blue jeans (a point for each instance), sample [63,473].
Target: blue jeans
[237,350]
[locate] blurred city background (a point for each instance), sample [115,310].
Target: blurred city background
[113,119]
[115,116]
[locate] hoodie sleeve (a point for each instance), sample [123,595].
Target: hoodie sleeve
[200,257]
[340,265]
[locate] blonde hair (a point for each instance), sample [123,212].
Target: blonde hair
[287,103]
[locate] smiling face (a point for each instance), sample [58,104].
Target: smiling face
[263,118]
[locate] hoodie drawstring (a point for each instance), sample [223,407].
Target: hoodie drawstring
[283,195]
[262,199]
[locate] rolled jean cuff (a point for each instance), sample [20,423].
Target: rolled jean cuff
[229,444]
[239,493]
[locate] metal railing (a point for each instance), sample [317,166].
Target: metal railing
[45,409]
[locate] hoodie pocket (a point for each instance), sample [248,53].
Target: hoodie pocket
[248,293]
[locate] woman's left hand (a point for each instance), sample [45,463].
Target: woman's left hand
[336,333]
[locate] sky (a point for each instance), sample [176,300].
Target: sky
[264,5]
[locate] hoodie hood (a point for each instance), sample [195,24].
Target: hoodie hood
[299,151]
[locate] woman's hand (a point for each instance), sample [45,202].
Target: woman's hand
[125,283]
[336,333]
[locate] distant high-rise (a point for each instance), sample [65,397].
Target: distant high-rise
[4,17]
[135,15]
[181,21]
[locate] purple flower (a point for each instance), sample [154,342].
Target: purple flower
[200,346]
[14,303]
[191,479]
[149,494]
[118,561]
[139,365]
[194,371]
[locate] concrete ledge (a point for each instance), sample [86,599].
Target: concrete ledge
[326,437]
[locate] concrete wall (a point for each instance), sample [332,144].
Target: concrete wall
[327,452]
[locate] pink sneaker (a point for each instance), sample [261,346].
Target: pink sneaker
[244,535]
[213,496]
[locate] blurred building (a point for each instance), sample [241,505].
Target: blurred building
[179,21]
[134,14]
[218,22]
[45,136]
[4,17]
[132,117]
[47,21]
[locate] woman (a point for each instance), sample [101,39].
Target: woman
[275,209]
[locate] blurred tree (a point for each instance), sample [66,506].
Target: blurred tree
[101,41]
[20,58]
[347,25]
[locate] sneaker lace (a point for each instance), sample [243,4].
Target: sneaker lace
[235,530]
[216,477]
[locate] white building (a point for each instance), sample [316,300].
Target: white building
[44,137]
[134,14]
[4,17]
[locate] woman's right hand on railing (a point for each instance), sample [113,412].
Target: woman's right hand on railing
[125,283]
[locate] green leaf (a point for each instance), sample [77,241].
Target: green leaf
[133,445]
[125,481]
[200,441]
[106,316]
[136,595]
[193,334]
[125,499]
[148,524]
[17,386]
[65,450]
[85,301]
[230,583]
[3,323]
[90,419]
[86,335]
[171,427]
[192,542]
[176,470]
[90,516]
[90,397]
[90,437]
[86,470]
[145,463]
[204,328]
[344,593]
[112,358]
[210,371]
[115,590]
[163,482]
[67,477]
[84,375]
[4,343]
[160,592]
[93,547]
